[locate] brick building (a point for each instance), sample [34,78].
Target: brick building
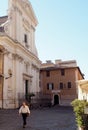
[58,81]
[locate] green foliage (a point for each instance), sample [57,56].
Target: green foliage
[29,96]
[78,107]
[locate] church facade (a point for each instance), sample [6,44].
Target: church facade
[19,62]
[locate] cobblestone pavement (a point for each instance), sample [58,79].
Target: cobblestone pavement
[54,118]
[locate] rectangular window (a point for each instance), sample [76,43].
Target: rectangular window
[61,85]
[48,73]
[62,72]
[50,86]
[25,38]
[26,41]
[69,84]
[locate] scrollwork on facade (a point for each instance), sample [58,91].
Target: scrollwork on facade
[26,3]
[12,10]
[2,49]
[33,28]
[27,63]
[35,67]
[18,10]
[6,29]
[17,57]
[6,52]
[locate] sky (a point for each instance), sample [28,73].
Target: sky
[62,30]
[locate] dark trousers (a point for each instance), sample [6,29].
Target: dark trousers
[24,116]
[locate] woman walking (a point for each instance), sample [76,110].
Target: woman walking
[24,110]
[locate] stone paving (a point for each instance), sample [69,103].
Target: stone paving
[54,118]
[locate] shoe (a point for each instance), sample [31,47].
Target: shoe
[24,126]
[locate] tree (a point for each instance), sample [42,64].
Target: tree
[81,117]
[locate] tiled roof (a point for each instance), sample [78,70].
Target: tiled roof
[62,67]
[3,19]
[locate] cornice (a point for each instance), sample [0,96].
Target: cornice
[18,45]
[35,67]
[18,57]
[2,49]
[7,39]
[26,62]
[6,52]
[26,76]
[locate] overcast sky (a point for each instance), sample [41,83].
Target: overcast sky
[62,32]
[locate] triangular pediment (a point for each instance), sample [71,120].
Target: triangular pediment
[24,5]
[28,7]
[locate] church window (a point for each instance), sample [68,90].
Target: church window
[25,38]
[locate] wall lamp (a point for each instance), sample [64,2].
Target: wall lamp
[9,74]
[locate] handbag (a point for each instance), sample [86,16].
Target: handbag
[27,114]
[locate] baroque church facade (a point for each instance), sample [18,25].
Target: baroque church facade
[19,62]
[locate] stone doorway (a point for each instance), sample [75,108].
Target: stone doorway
[26,89]
[56,99]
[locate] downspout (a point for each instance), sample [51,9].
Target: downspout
[2,55]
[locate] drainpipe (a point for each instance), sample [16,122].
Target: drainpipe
[2,78]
